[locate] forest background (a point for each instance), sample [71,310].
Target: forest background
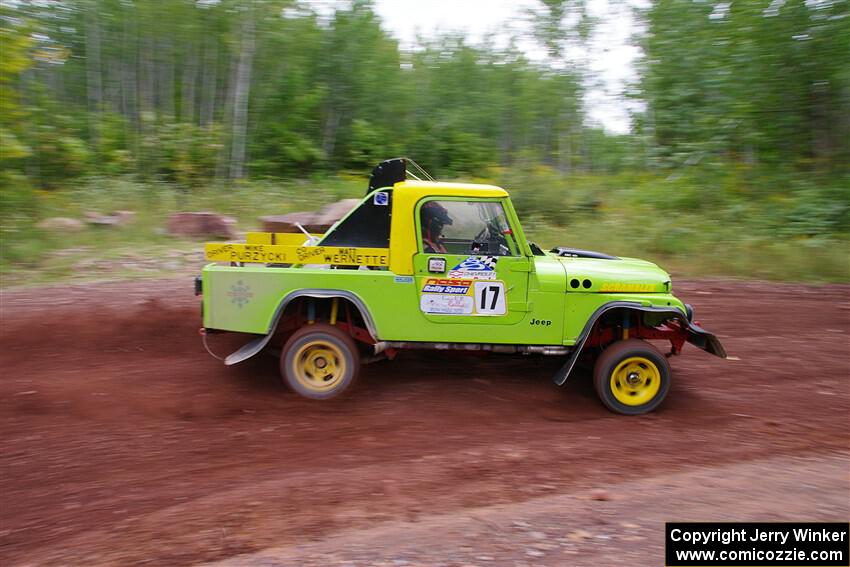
[737,161]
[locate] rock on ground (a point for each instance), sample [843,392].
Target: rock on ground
[317,222]
[60,224]
[201,224]
[115,218]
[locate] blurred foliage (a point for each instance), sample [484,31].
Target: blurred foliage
[764,83]
[626,214]
[744,144]
[154,90]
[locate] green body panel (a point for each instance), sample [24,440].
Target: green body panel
[515,285]
[549,275]
[601,273]
[625,271]
[580,306]
[541,308]
[245,299]
[548,300]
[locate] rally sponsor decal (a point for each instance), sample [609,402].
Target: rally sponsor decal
[286,254]
[617,287]
[476,267]
[436,265]
[462,296]
[440,304]
[447,285]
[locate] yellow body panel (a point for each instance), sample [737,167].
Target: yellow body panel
[286,248]
[406,194]
[284,238]
[282,254]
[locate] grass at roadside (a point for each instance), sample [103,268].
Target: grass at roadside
[29,255]
[723,228]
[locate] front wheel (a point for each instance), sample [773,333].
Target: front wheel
[319,362]
[631,377]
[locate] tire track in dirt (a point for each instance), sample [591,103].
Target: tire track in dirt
[123,441]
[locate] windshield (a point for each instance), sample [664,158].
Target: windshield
[462,227]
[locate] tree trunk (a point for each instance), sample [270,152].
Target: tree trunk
[226,98]
[240,99]
[565,150]
[113,84]
[129,86]
[94,89]
[165,80]
[146,64]
[208,92]
[329,132]
[190,77]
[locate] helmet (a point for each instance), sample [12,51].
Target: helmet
[434,212]
[434,217]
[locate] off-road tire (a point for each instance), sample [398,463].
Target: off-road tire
[640,361]
[319,362]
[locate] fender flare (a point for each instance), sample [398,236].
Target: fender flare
[253,347]
[697,336]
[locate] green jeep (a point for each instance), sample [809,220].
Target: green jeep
[446,266]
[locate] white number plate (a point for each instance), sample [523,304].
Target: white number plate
[490,298]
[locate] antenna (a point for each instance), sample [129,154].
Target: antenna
[419,169]
[311,240]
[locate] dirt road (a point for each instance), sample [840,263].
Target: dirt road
[123,442]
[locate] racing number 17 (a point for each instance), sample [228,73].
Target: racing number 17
[490,298]
[494,290]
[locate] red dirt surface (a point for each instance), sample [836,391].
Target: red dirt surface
[123,442]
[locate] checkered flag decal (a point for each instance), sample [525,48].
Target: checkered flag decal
[489,261]
[479,265]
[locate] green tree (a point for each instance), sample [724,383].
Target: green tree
[752,82]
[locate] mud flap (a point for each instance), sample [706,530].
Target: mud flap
[256,345]
[248,350]
[564,372]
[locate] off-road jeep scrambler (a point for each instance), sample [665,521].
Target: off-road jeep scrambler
[433,265]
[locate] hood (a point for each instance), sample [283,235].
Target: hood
[615,275]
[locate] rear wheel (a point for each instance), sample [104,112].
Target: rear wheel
[319,362]
[631,377]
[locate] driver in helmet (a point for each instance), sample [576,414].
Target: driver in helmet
[434,217]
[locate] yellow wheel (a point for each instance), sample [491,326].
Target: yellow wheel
[631,377]
[635,381]
[319,361]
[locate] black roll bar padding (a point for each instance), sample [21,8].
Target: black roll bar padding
[387,173]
